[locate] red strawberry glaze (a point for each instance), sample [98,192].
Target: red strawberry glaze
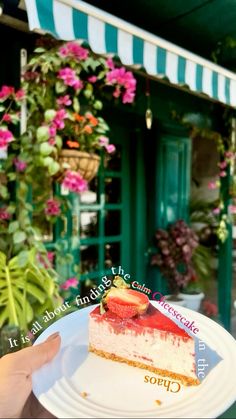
[152,319]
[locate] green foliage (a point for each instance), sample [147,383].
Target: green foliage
[26,289]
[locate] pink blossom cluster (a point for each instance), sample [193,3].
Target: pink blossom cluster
[4,214]
[5,138]
[74,182]
[73,49]
[52,207]
[70,78]
[70,282]
[20,165]
[7,91]
[64,101]
[122,79]
[57,124]
[104,142]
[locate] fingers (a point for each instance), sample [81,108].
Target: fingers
[34,357]
[38,355]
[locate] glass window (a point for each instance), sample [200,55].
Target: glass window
[88,224]
[113,190]
[112,223]
[90,196]
[112,254]
[89,258]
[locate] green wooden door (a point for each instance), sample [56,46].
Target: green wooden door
[173,186]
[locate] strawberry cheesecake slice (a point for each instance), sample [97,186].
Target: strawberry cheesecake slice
[130,329]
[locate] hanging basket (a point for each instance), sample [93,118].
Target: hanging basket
[87,164]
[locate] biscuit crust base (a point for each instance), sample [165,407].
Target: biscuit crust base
[186,381]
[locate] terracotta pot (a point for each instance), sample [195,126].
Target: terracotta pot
[87,164]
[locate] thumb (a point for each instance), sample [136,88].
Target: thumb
[36,356]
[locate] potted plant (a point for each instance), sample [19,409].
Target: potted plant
[175,247]
[193,292]
[67,85]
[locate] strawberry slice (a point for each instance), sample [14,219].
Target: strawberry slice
[126,303]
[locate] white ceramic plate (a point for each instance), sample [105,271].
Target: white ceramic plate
[118,390]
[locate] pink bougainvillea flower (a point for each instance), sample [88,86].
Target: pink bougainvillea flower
[20,94]
[128,97]
[103,141]
[20,165]
[110,148]
[4,214]
[92,79]
[74,49]
[52,131]
[216,211]
[64,100]
[117,92]
[78,85]
[223,173]
[74,182]
[58,121]
[232,209]
[209,308]
[222,165]
[5,138]
[110,63]
[52,207]
[6,91]
[212,185]
[69,283]
[125,79]
[7,118]
[69,77]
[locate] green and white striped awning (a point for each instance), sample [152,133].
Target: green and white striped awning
[75,19]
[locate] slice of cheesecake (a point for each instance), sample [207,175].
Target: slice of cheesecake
[133,331]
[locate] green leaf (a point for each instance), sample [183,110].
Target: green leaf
[53,168]
[39,50]
[19,237]
[60,87]
[47,161]
[42,134]
[76,105]
[58,141]
[3,191]
[13,226]
[87,93]
[98,105]
[2,108]
[49,115]
[46,149]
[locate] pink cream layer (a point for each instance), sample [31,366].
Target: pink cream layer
[152,319]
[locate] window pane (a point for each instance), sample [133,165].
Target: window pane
[113,190]
[91,196]
[112,223]
[112,254]
[88,224]
[89,258]
[113,161]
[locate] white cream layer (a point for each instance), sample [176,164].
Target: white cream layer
[158,349]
